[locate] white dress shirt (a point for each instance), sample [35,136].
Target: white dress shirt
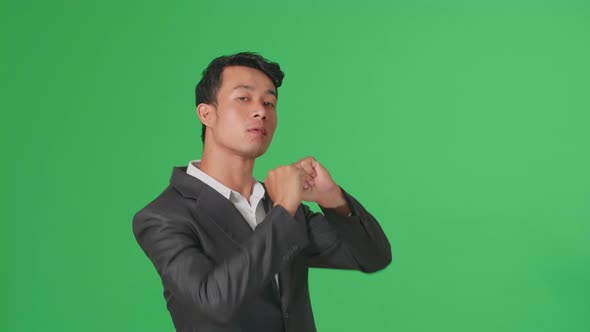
[252,209]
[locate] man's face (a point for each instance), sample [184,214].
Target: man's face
[245,115]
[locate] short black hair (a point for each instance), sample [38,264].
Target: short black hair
[207,88]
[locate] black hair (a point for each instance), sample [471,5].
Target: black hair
[207,88]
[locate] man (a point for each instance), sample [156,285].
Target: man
[233,253]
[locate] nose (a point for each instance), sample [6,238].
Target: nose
[260,111]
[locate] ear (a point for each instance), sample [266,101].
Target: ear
[206,113]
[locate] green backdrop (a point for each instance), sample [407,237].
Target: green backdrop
[462,126]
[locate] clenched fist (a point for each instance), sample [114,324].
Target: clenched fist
[285,186]
[321,188]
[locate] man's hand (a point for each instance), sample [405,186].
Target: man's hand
[285,186]
[321,188]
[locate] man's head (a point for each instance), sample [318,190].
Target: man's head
[246,82]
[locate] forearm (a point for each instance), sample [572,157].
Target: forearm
[218,289]
[361,235]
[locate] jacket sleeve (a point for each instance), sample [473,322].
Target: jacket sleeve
[217,290]
[354,242]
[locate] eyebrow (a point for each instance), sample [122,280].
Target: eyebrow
[249,87]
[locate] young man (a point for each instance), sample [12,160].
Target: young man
[233,253]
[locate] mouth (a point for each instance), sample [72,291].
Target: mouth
[259,131]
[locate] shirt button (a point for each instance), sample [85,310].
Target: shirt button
[286,315]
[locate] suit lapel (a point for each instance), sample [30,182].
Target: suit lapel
[268,204]
[285,276]
[211,205]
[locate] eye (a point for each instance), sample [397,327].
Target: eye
[268,104]
[243,98]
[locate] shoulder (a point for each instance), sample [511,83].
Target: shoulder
[176,200]
[170,206]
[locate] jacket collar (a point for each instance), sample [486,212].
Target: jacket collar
[191,187]
[212,205]
[188,186]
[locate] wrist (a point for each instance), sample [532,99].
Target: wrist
[342,210]
[333,199]
[290,207]
[337,202]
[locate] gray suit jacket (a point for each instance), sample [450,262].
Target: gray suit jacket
[218,274]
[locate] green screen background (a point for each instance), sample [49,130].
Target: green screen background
[462,126]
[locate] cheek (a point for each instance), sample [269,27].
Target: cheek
[272,125]
[232,119]
[274,120]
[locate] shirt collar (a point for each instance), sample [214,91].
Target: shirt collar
[193,170]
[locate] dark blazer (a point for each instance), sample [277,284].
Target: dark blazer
[218,274]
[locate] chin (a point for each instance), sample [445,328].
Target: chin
[254,153]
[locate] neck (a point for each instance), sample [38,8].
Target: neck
[234,172]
